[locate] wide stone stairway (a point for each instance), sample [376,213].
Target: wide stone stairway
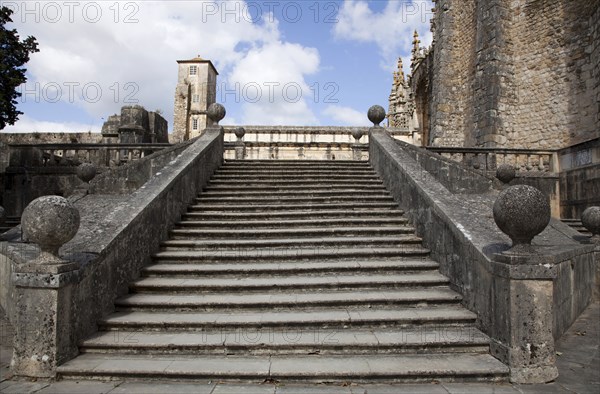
[290,271]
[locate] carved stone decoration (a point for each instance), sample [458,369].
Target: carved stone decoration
[240,132]
[506,173]
[376,115]
[216,112]
[86,172]
[50,221]
[357,134]
[590,218]
[522,212]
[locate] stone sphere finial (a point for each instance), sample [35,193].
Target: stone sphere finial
[522,212]
[357,134]
[506,173]
[50,221]
[240,132]
[216,112]
[590,218]
[86,172]
[376,115]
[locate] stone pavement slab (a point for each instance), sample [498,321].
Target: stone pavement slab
[399,389]
[298,389]
[477,388]
[164,388]
[16,387]
[79,387]
[246,389]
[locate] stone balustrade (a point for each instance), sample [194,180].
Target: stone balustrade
[488,159]
[109,155]
[293,142]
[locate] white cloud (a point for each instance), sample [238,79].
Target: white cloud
[391,30]
[270,82]
[29,125]
[136,61]
[346,116]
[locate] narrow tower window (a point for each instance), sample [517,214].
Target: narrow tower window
[193,70]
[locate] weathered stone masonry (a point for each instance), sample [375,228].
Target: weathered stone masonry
[513,73]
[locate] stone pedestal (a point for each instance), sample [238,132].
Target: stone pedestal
[356,153]
[43,318]
[523,298]
[240,150]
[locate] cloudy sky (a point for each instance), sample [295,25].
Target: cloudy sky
[280,62]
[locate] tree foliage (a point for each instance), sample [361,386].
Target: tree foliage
[14,53]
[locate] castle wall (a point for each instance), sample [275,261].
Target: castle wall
[515,73]
[554,82]
[452,71]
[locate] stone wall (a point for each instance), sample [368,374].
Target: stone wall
[579,178]
[194,93]
[553,75]
[516,74]
[131,176]
[452,72]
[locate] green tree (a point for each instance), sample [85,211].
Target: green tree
[13,55]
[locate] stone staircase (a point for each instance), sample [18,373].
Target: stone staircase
[9,222]
[290,271]
[577,225]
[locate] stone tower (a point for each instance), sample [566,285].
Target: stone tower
[195,91]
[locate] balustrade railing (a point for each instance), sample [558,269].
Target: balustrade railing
[488,159]
[290,142]
[109,155]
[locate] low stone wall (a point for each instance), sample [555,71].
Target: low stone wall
[131,176]
[579,178]
[460,231]
[456,178]
[117,236]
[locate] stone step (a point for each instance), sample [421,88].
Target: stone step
[296,164]
[257,255]
[298,178]
[291,300]
[306,207]
[313,368]
[239,245]
[311,192]
[449,339]
[187,233]
[298,183]
[285,172]
[280,284]
[290,267]
[577,226]
[324,214]
[292,224]
[292,199]
[317,318]
[241,189]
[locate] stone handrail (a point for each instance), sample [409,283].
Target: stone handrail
[487,159]
[522,302]
[108,155]
[302,150]
[307,142]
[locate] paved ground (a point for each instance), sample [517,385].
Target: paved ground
[578,364]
